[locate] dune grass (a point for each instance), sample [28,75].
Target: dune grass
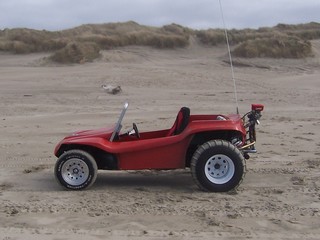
[83,43]
[281,41]
[276,46]
[75,52]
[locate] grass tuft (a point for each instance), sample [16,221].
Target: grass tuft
[76,53]
[277,46]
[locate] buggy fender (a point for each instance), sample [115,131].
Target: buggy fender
[215,125]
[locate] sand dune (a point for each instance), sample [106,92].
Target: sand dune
[40,103]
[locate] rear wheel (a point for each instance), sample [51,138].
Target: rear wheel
[76,170]
[217,166]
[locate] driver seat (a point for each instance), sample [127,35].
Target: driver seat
[181,122]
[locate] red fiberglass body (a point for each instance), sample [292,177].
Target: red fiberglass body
[155,149]
[213,146]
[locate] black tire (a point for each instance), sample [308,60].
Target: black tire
[217,166]
[76,170]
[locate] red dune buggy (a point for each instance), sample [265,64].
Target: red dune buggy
[214,147]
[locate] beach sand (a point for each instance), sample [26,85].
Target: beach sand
[41,102]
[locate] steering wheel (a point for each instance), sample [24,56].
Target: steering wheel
[136,131]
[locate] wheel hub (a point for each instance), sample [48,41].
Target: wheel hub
[219,169]
[216,166]
[75,171]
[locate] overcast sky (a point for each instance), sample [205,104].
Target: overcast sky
[197,14]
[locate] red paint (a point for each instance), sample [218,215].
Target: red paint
[155,149]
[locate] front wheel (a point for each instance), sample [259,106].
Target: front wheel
[217,166]
[76,170]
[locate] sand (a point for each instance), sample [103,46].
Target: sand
[41,102]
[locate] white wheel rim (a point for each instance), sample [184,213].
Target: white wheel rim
[75,171]
[219,169]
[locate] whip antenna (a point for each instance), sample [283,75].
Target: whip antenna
[230,58]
